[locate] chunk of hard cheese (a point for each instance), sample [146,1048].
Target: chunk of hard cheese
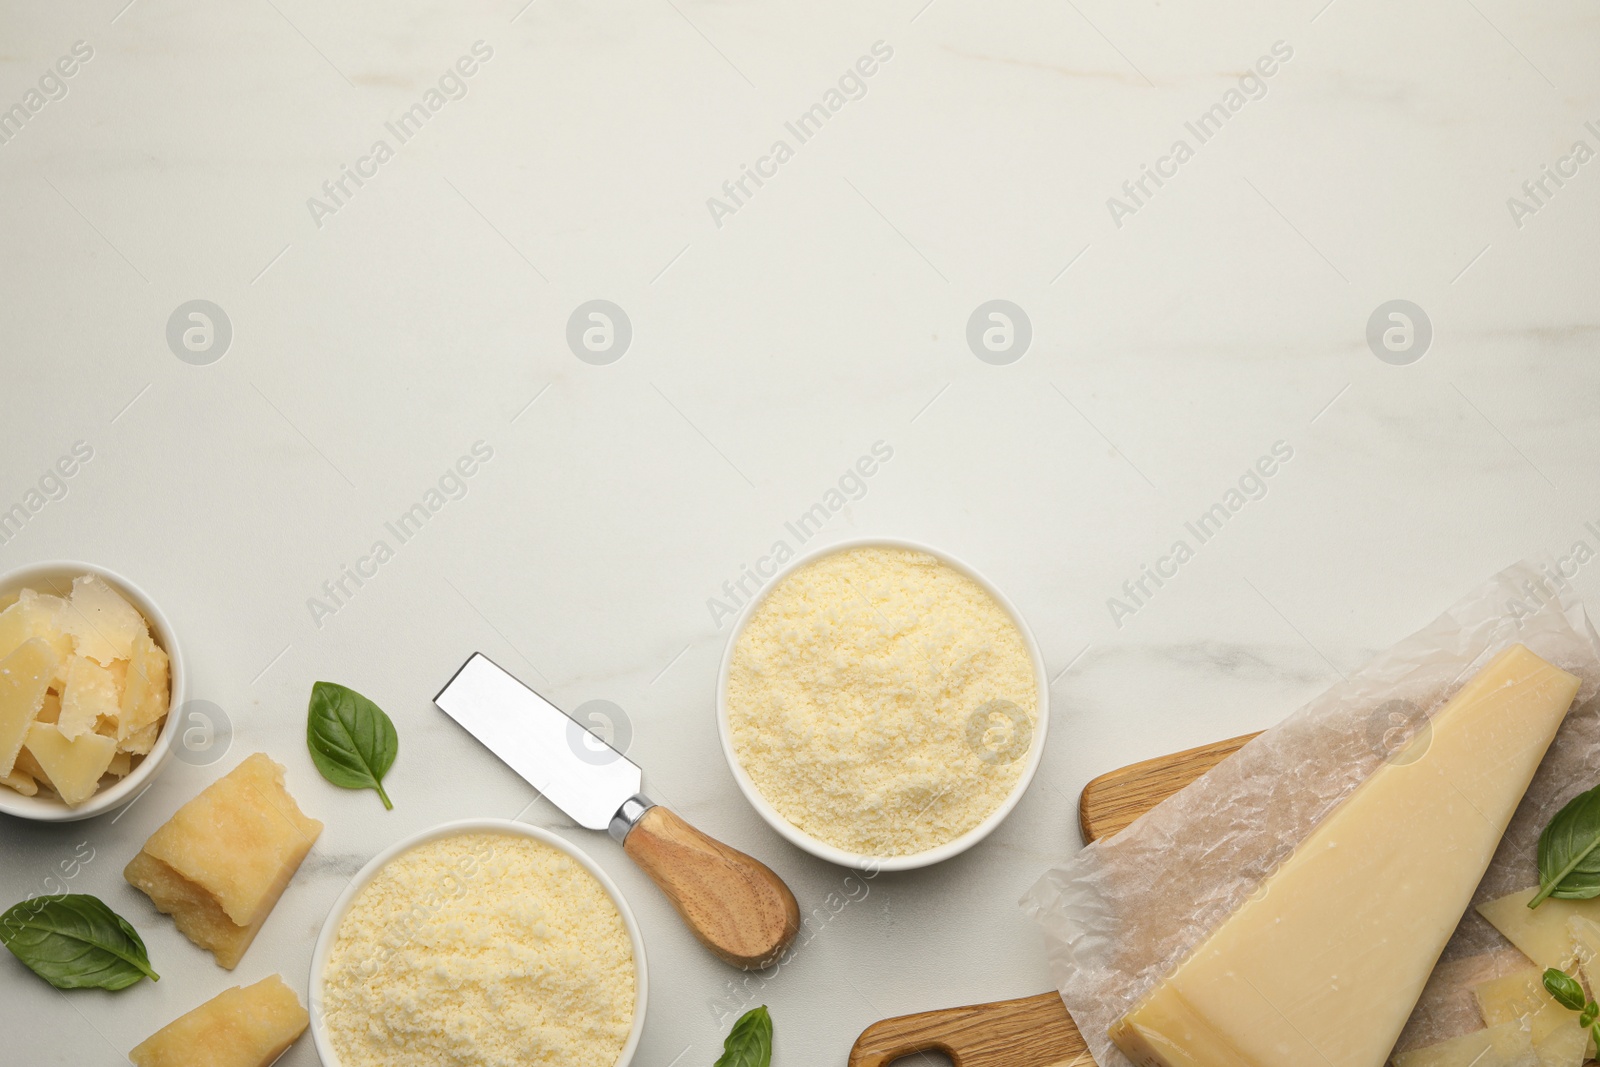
[1324,964]
[100,621]
[1521,998]
[24,676]
[247,1027]
[1541,934]
[221,862]
[91,692]
[1506,1045]
[73,764]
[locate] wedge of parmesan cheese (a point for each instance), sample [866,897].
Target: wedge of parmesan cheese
[1506,1045]
[247,1027]
[1542,934]
[73,764]
[25,674]
[1324,964]
[220,863]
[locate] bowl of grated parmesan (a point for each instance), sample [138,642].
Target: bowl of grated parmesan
[882,704]
[479,942]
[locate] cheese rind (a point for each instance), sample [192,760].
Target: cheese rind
[1542,934]
[247,1027]
[25,675]
[220,863]
[1325,962]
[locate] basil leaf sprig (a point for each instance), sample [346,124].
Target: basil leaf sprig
[1569,994]
[73,941]
[749,1044]
[352,742]
[1569,852]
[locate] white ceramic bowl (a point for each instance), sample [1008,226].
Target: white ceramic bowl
[341,907]
[833,853]
[56,577]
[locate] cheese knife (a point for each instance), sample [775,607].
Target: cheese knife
[735,905]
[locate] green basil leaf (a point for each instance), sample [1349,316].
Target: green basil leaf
[750,1042]
[73,941]
[1566,989]
[1569,852]
[352,742]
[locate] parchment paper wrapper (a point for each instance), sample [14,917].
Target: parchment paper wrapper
[1125,911]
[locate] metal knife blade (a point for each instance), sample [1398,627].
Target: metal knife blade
[574,768]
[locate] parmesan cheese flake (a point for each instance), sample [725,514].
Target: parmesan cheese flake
[882,701]
[481,950]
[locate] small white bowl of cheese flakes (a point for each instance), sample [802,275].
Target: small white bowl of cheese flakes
[882,704]
[479,942]
[91,673]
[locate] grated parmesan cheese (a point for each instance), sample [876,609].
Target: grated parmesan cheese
[882,701]
[481,950]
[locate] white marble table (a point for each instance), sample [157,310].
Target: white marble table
[1176,337]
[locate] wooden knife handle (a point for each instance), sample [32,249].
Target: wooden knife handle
[735,905]
[1031,1032]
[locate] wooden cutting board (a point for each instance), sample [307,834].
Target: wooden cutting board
[1037,1031]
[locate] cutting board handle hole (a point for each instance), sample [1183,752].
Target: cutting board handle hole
[931,1058]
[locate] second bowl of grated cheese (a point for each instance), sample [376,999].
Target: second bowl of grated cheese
[882,704]
[475,943]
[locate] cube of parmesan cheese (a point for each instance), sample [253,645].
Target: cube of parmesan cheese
[247,1027]
[145,694]
[73,764]
[220,864]
[24,676]
[101,622]
[91,692]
